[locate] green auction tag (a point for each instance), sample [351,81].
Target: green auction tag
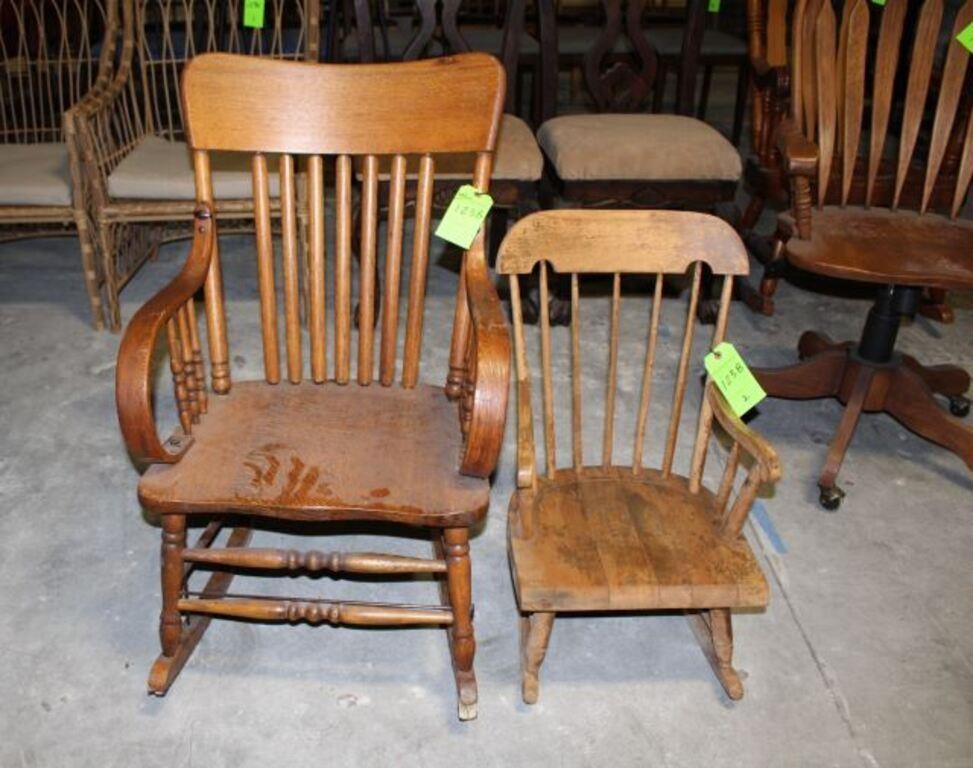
[253,13]
[966,37]
[879,2]
[465,216]
[732,377]
[714,6]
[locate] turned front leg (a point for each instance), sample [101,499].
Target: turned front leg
[170,620]
[535,632]
[458,579]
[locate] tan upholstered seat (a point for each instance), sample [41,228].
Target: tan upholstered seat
[638,147]
[518,157]
[34,174]
[158,169]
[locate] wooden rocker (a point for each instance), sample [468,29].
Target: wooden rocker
[318,442]
[617,536]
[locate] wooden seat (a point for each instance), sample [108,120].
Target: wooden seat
[327,435]
[611,536]
[832,140]
[310,452]
[626,543]
[854,244]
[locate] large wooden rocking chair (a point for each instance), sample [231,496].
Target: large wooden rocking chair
[323,445]
[613,536]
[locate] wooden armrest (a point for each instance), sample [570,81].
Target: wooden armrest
[752,443]
[133,375]
[800,153]
[491,373]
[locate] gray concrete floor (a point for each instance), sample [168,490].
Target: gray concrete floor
[864,656]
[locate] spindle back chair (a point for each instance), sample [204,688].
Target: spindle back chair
[321,438]
[52,53]
[616,534]
[876,195]
[132,136]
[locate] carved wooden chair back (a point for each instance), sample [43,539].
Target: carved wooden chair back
[622,82]
[52,52]
[657,244]
[869,123]
[439,33]
[363,112]
[169,33]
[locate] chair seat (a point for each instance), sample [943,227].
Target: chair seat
[518,158]
[878,245]
[323,452]
[35,174]
[612,541]
[640,147]
[576,40]
[158,169]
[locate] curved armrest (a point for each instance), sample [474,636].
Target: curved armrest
[758,447]
[491,370]
[800,153]
[133,375]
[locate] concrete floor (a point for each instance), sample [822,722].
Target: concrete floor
[864,657]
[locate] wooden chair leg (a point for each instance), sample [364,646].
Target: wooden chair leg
[704,92]
[535,632]
[948,380]
[910,400]
[817,376]
[831,495]
[751,214]
[768,284]
[714,631]
[180,639]
[935,306]
[462,643]
[740,103]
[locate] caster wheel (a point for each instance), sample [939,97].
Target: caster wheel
[959,406]
[830,498]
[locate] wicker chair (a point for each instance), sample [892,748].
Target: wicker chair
[52,53]
[131,136]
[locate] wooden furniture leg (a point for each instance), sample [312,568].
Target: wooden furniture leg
[535,632]
[817,376]
[949,380]
[714,631]
[831,494]
[462,644]
[935,306]
[910,401]
[180,640]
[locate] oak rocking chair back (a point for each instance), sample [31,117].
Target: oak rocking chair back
[341,427]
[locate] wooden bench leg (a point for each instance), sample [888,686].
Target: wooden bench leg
[462,643]
[714,631]
[535,631]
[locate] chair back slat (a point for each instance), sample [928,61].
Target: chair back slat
[577,446]
[776,53]
[342,271]
[550,444]
[886,65]
[608,431]
[645,396]
[950,89]
[52,52]
[393,270]
[679,393]
[855,44]
[368,247]
[289,257]
[920,71]
[964,174]
[265,268]
[650,243]
[417,274]
[317,259]
[525,419]
[825,86]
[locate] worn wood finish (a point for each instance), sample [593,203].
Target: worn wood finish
[338,447]
[610,537]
